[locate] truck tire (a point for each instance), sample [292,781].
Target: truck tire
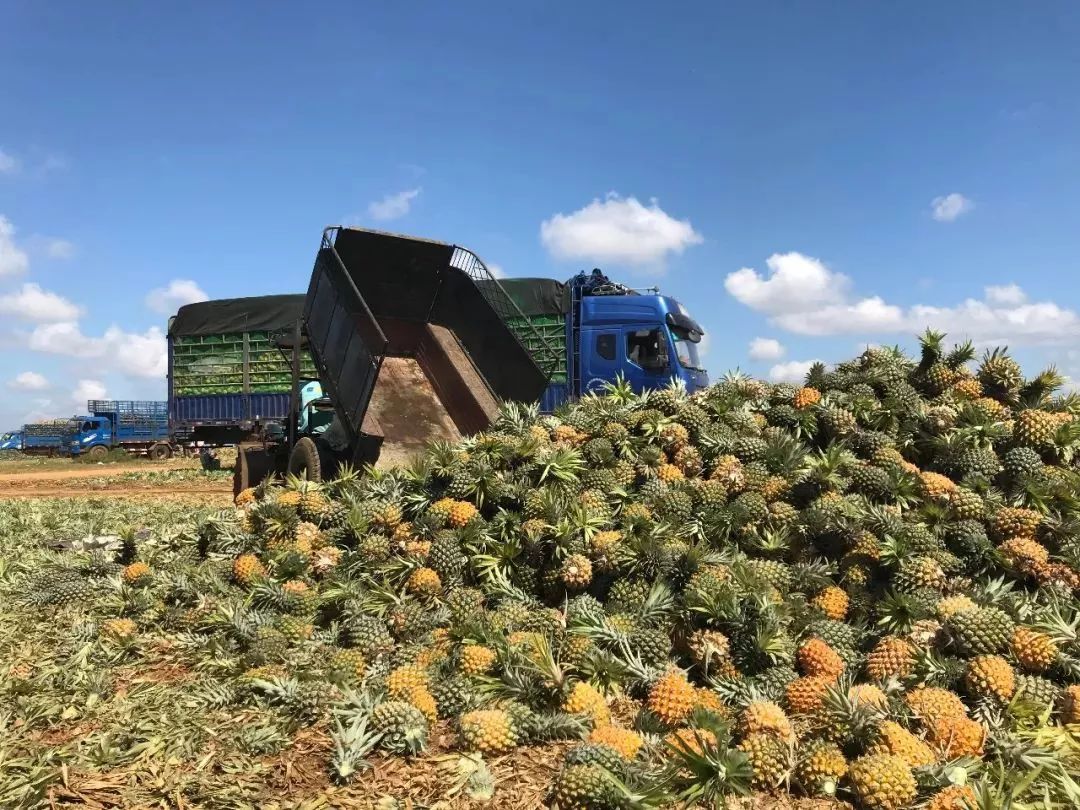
[253,465]
[160,452]
[98,453]
[306,461]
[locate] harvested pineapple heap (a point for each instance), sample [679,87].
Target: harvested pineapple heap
[863,588]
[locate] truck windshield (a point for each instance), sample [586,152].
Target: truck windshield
[686,347]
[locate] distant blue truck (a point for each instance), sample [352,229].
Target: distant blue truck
[44,438]
[12,441]
[140,427]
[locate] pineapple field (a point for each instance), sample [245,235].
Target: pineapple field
[857,592]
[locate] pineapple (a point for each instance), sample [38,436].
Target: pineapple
[1016,522]
[1035,429]
[1070,705]
[248,570]
[816,658]
[982,631]
[990,676]
[892,738]
[833,602]
[806,695]
[892,658]
[477,659]
[806,397]
[584,787]
[820,768]
[765,717]
[586,700]
[770,760]
[576,572]
[1035,651]
[118,629]
[999,374]
[489,731]
[954,797]
[882,782]
[624,742]
[424,582]
[138,573]
[403,727]
[671,698]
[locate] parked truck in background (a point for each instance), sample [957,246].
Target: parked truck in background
[44,438]
[11,441]
[376,296]
[227,378]
[140,427]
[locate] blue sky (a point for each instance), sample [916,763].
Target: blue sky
[775,168]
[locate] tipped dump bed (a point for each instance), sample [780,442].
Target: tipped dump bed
[375,295]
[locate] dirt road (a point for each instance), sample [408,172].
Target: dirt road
[107,480]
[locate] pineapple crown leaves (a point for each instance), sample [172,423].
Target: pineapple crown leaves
[352,744]
[930,343]
[560,464]
[707,769]
[1038,390]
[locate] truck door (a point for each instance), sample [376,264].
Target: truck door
[648,363]
[601,357]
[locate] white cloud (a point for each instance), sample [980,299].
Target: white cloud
[29,381]
[8,164]
[618,230]
[87,389]
[393,206]
[802,295]
[13,260]
[496,270]
[131,353]
[1006,295]
[794,371]
[949,207]
[59,249]
[31,303]
[796,283]
[167,300]
[766,349]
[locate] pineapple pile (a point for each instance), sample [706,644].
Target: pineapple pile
[862,588]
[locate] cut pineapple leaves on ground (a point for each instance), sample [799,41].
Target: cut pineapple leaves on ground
[861,588]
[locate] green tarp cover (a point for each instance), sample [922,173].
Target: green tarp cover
[233,316]
[536,296]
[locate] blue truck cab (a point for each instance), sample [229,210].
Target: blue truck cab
[647,339]
[140,427]
[11,441]
[606,331]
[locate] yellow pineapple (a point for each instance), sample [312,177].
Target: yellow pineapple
[423,582]
[623,741]
[477,659]
[671,697]
[489,731]
[882,782]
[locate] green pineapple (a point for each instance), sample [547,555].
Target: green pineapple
[403,727]
[368,634]
[584,787]
[749,449]
[976,461]
[999,374]
[980,631]
[1021,462]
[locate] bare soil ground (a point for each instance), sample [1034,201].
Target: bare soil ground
[135,480]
